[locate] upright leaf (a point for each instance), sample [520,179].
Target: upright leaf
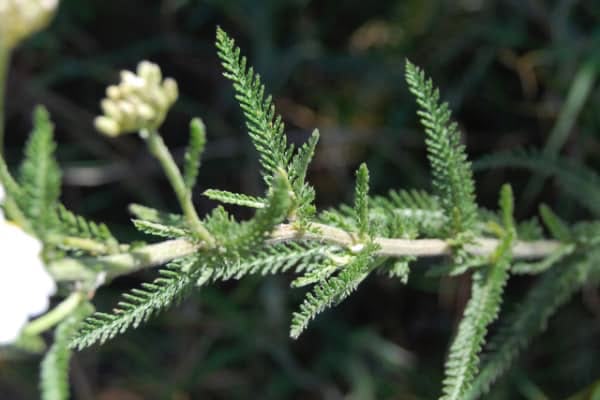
[40,176]
[361,200]
[194,152]
[264,126]
[452,174]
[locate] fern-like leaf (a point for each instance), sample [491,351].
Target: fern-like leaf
[361,200]
[70,224]
[530,318]
[154,215]
[40,176]
[194,152]
[139,304]
[160,230]
[299,165]
[412,207]
[54,378]
[238,199]
[276,259]
[265,128]
[333,290]
[452,174]
[482,309]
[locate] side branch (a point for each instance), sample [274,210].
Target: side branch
[73,269]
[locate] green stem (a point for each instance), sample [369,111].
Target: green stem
[4,65]
[159,150]
[53,317]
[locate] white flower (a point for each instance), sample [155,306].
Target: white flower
[21,18]
[25,285]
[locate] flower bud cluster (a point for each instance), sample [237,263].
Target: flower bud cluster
[21,18]
[140,101]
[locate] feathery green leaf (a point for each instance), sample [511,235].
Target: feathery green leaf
[238,199]
[264,126]
[54,378]
[140,304]
[299,165]
[194,152]
[482,309]
[334,289]
[153,215]
[452,174]
[160,230]
[530,318]
[40,176]
[361,200]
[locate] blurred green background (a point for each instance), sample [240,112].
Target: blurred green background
[515,72]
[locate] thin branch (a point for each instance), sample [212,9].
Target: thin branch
[72,269]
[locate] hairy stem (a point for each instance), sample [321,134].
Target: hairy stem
[4,65]
[159,150]
[71,269]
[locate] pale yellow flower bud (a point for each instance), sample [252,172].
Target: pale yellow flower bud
[21,18]
[113,92]
[171,89]
[111,109]
[139,102]
[107,126]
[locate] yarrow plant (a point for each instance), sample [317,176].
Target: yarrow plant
[332,252]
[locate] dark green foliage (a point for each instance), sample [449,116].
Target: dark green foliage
[140,304]
[194,152]
[54,379]
[579,182]
[452,175]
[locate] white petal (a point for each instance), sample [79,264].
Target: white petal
[25,285]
